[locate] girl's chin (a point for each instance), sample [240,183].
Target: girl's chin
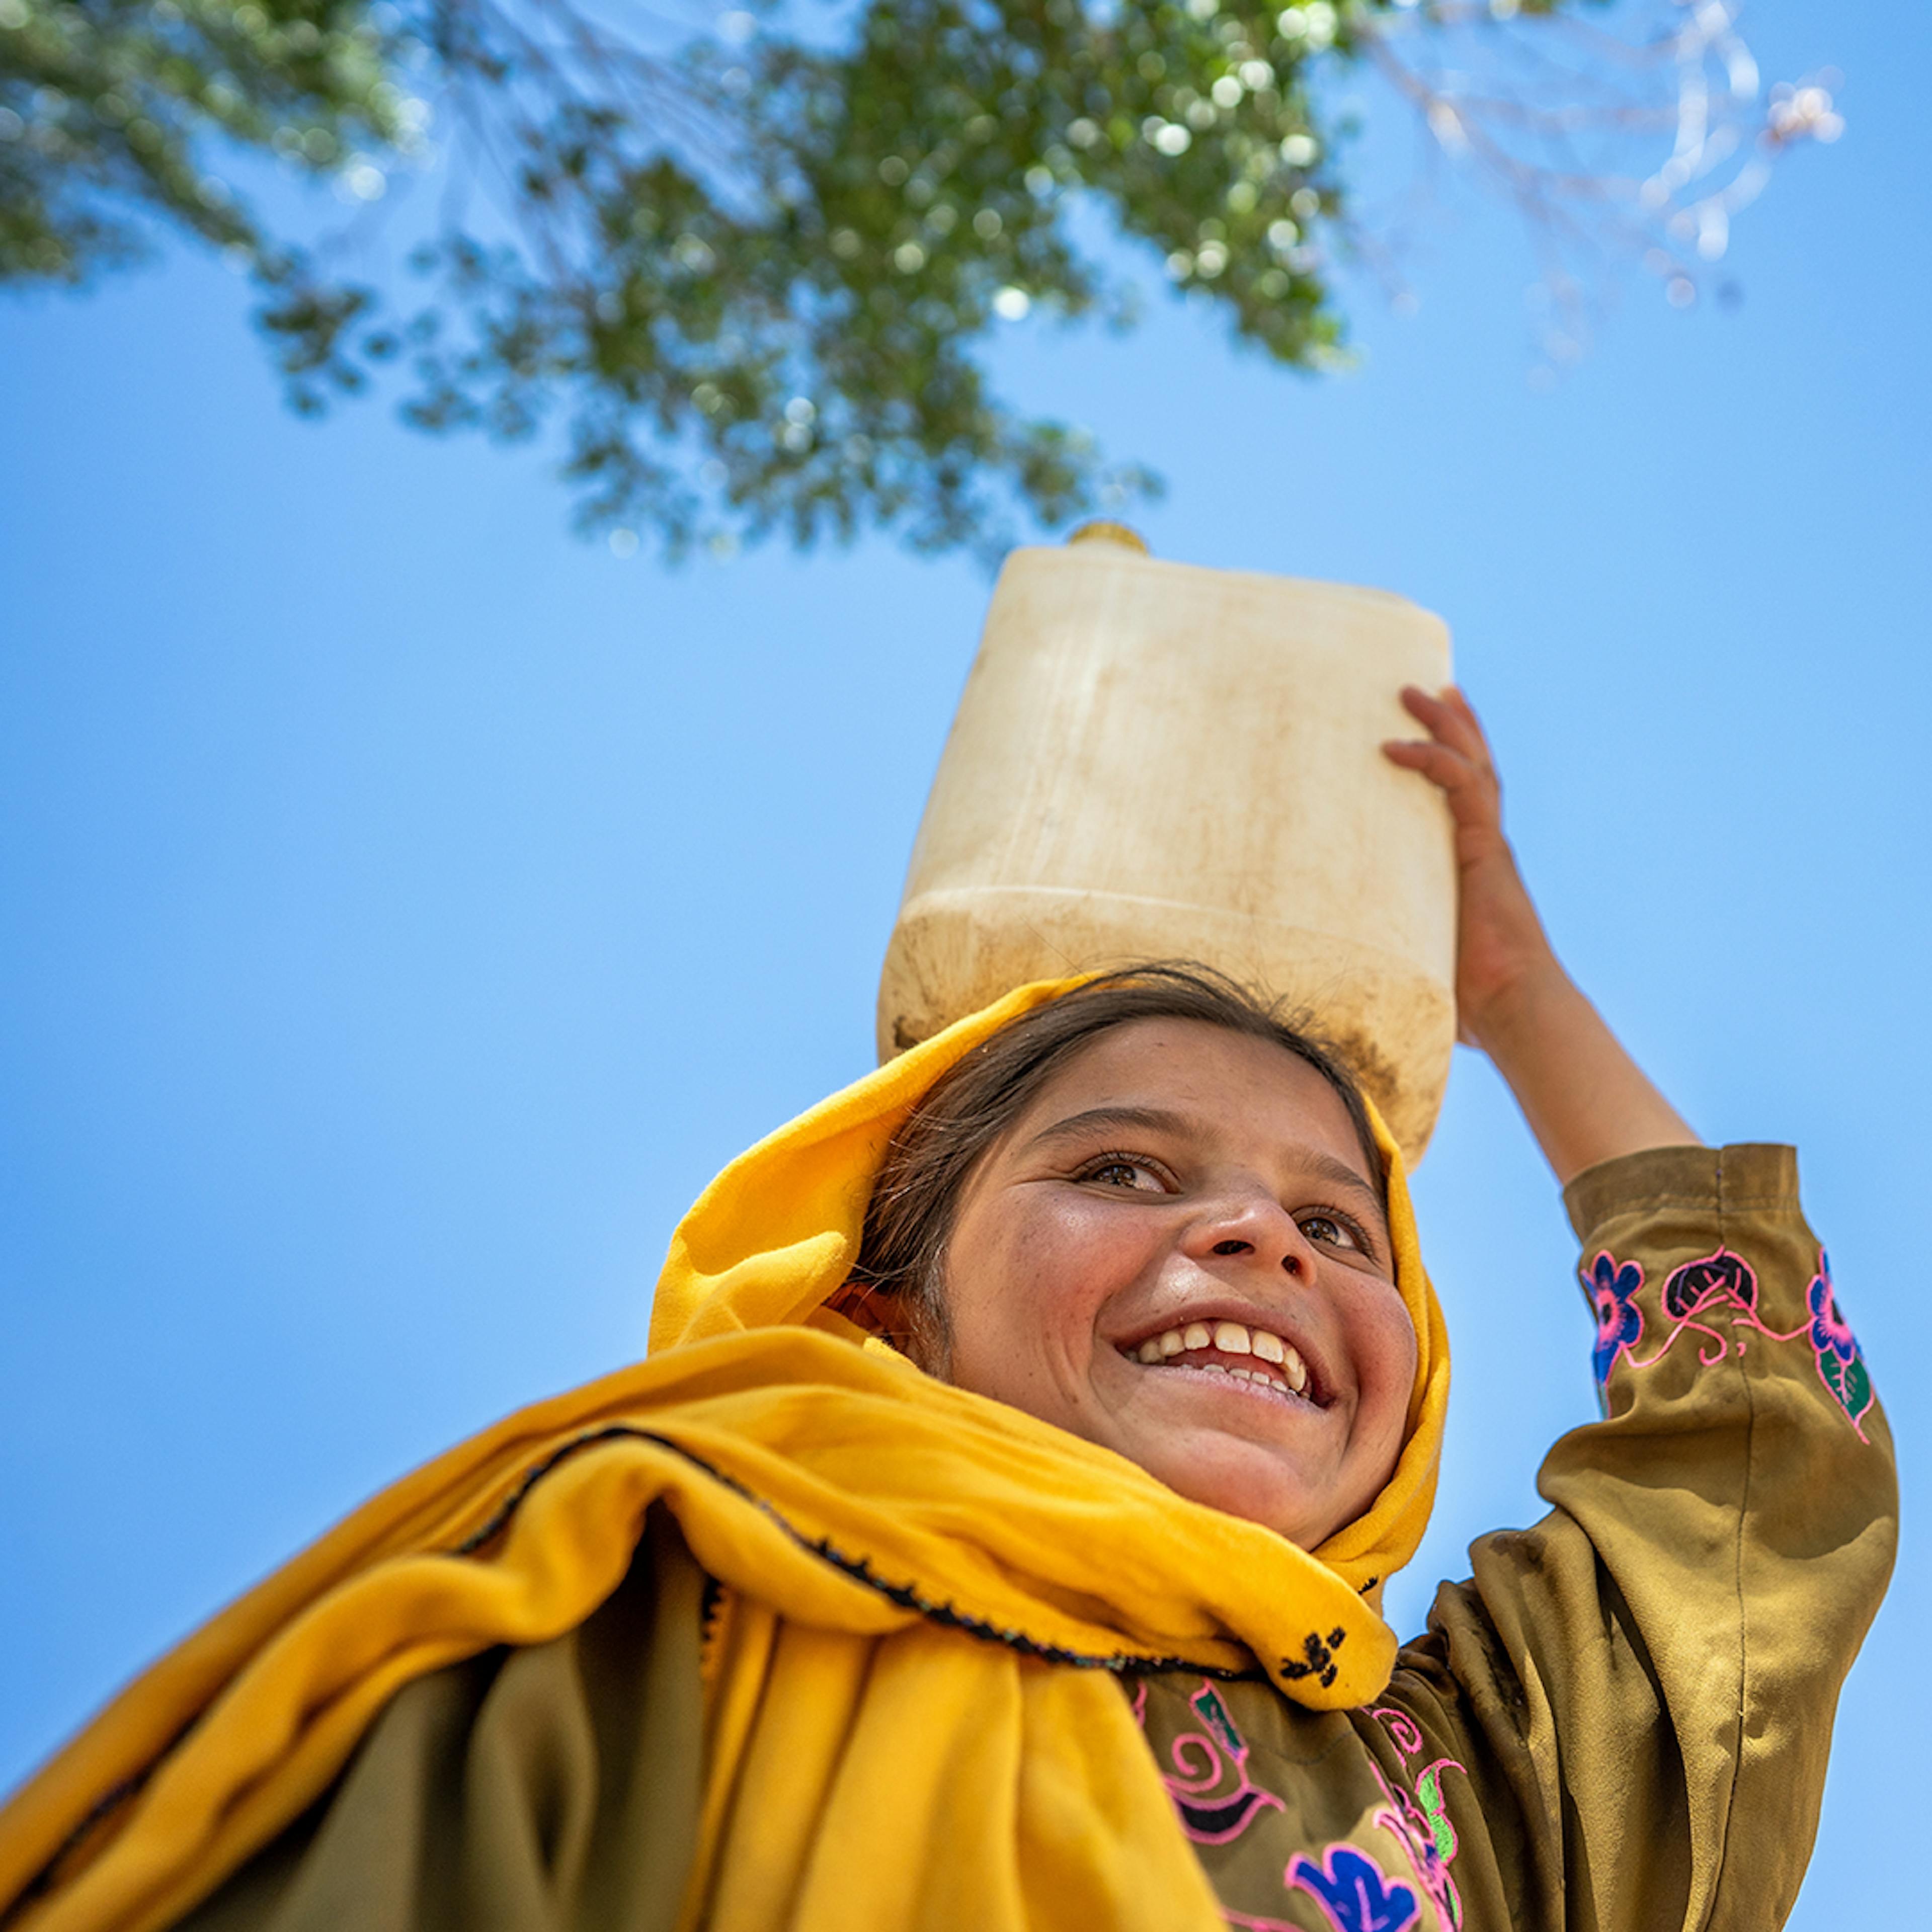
[1240,1478]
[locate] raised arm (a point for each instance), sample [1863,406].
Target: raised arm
[1586,1100]
[1622,1719]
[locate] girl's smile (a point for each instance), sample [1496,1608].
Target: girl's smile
[1177,1251]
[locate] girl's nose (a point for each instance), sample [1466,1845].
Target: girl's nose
[1254,1224]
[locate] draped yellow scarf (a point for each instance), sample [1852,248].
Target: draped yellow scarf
[913,1723]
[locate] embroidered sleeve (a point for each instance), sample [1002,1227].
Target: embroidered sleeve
[1636,1694]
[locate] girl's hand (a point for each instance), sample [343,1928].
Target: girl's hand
[1585,1099]
[1499,940]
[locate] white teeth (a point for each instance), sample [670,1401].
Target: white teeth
[1230,1338]
[1259,1377]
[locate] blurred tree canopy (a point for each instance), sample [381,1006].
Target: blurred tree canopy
[749,271]
[752,274]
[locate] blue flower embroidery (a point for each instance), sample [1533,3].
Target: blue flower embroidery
[1354,1892]
[1611,1286]
[1841,1367]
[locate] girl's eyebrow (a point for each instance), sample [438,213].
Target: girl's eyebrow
[1151,1120]
[1341,1173]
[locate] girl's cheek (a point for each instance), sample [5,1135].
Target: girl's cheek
[1079,1254]
[1388,1339]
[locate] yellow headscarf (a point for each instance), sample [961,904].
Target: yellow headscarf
[936,1591]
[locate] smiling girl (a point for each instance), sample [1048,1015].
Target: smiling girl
[1173,1248]
[996,1536]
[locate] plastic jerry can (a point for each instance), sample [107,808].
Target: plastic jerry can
[1155,760]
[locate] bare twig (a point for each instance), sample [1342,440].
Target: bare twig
[1565,116]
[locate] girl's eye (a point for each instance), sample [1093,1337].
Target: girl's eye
[1331,1232]
[1117,1171]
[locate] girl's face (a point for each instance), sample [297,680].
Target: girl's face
[1176,1253]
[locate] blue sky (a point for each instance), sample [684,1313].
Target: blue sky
[408,907]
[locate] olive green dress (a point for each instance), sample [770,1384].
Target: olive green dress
[1619,1723]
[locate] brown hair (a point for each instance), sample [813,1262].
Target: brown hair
[897,1285]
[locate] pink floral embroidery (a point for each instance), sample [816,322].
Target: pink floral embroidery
[1841,1367]
[1610,1286]
[1421,1823]
[1204,1762]
[1716,1297]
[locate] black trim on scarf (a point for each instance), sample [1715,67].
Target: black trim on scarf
[1318,1660]
[860,1570]
[110,1800]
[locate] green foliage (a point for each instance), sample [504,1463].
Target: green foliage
[752,280]
[106,105]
